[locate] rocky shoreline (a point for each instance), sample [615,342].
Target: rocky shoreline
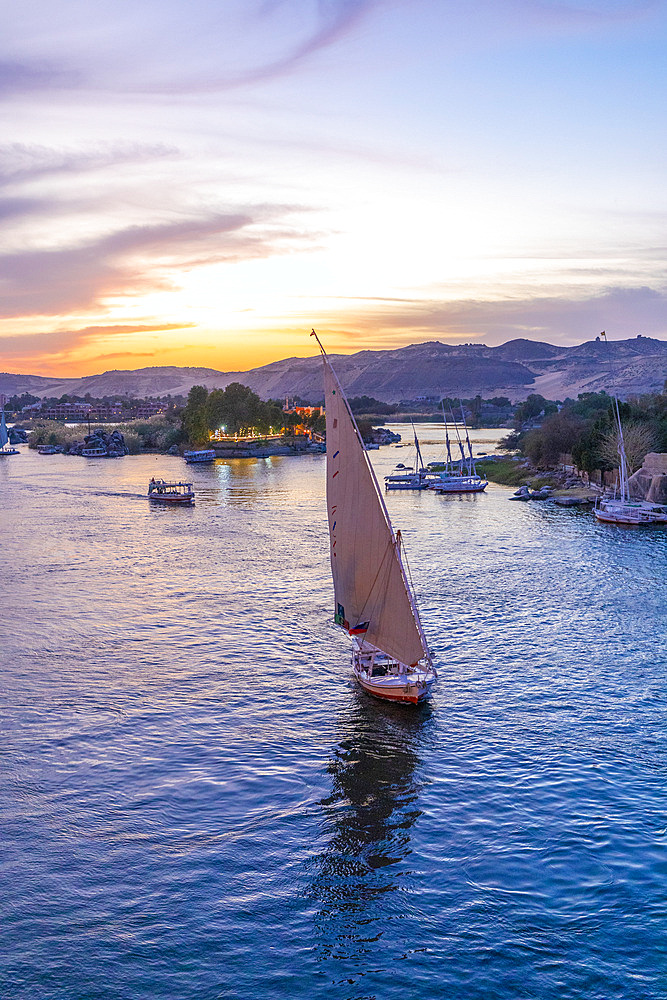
[569,489]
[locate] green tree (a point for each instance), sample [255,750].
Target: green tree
[194,417]
[533,407]
[557,435]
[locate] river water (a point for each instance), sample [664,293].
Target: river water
[195,801]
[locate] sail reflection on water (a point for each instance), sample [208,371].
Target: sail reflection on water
[370,813]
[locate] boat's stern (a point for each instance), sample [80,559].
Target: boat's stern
[384,677]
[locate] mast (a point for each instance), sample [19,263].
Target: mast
[471,464]
[393,537]
[623,462]
[420,460]
[449,450]
[459,442]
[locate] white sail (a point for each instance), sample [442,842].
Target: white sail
[371,591]
[4,436]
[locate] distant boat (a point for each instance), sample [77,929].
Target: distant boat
[457,476]
[97,451]
[373,598]
[408,478]
[620,508]
[49,449]
[203,455]
[170,494]
[460,484]
[5,452]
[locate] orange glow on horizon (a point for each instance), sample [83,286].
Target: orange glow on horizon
[187,347]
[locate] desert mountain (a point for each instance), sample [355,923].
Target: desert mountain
[513,369]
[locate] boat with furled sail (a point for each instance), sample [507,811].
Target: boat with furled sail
[409,478]
[373,597]
[5,452]
[620,508]
[457,476]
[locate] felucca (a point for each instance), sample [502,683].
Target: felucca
[621,508]
[461,476]
[4,439]
[373,598]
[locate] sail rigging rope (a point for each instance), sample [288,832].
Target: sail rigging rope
[404,559]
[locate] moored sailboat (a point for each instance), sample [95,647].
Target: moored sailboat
[620,508]
[373,598]
[418,478]
[4,439]
[457,476]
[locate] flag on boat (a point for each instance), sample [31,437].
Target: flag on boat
[340,618]
[359,629]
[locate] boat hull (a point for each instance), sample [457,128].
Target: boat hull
[407,694]
[462,488]
[622,517]
[405,486]
[173,501]
[384,677]
[199,457]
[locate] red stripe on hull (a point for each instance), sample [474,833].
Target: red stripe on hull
[386,696]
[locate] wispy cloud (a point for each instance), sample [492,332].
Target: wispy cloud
[18,77]
[60,343]
[177,48]
[22,162]
[134,259]
[557,319]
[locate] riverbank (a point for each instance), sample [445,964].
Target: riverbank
[156,434]
[515,471]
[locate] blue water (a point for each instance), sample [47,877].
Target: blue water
[195,802]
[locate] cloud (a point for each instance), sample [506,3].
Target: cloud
[21,77]
[134,259]
[168,47]
[21,162]
[59,343]
[623,312]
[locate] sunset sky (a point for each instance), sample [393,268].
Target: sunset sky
[200,183]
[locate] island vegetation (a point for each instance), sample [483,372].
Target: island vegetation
[159,433]
[549,438]
[585,428]
[237,410]
[543,434]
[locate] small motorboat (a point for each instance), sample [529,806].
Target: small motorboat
[171,494]
[197,457]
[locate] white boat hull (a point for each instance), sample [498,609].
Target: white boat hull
[629,516]
[406,693]
[416,485]
[382,677]
[463,487]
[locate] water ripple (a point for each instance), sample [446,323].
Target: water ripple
[196,802]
